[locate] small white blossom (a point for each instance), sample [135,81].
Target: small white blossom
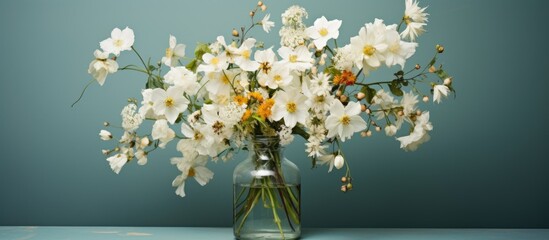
[174,52]
[182,77]
[419,135]
[285,135]
[117,162]
[191,165]
[299,59]
[291,106]
[130,118]
[161,131]
[323,30]
[105,135]
[390,130]
[370,44]
[415,19]
[344,121]
[120,40]
[101,66]
[339,161]
[169,103]
[266,24]
[141,157]
[439,91]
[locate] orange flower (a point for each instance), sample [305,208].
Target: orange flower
[264,110]
[240,100]
[257,96]
[246,115]
[346,77]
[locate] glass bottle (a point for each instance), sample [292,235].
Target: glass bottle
[267,193]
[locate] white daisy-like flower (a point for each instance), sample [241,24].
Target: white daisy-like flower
[323,30]
[162,131]
[243,54]
[174,52]
[200,138]
[370,44]
[299,59]
[285,135]
[344,121]
[182,77]
[117,162]
[266,58]
[169,103]
[415,19]
[419,135]
[213,63]
[120,40]
[191,165]
[291,106]
[220,82]
[146,109]
[221,129]
[278,76]
[266,24]
[314,147]
[345,58]
[101,66]
[439,91]
[397,51]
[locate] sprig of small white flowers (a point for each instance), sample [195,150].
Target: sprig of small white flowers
[235,88]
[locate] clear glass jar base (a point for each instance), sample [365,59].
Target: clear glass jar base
[269,236]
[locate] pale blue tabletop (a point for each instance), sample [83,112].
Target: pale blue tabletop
[165,233]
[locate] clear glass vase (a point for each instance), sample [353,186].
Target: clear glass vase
[267,194]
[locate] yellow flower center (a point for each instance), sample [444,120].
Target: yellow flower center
[277,77]
[169,52]
[345,120]
[369,50]
[224,78]
[198,136]
[323,32]
[246,54]
[214,61]
[169,102]
[191,172]
[407,20]
[118,42]
[293,58]
[291,107]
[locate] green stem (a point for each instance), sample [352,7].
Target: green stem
[83,90]
[142,61]
[275,214]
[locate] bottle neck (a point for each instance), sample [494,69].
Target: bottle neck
[265,148]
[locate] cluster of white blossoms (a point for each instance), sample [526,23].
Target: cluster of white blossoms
[233,89]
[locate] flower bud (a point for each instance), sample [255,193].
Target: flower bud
[418,66]
[314,70]
[339,93]
[105,135]
[390,130]
[363,134]
[425,98]
[263,8]
[440,48]
[235,33]
[344,188]
[448,81]
[368,133]
[343,179]
[360,96]
[363,108]
[339,161]
[400,113]
[349,186]
[343,98]
[144,142]
[432,69]
[368,111]
[105,151]
[378,129]
[418,113]
[252,13]
[106,124]
[260,3]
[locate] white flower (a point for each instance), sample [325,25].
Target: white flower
[161,131]
[130,118]
[146,109]
[117,162]
[292,38]
[323,30]
[291,106]
[314,147]
[174,52]
[182,77]
[398,51]
[370,44]
[220,128]
[231,113]
[243,54]
[344,121]
[266,59]
[345,58]
[169,103]
[339,161]
[266,24]
[320,84]
[200,137]
[419,135]
[191,165]
[409,105]
[285,135]
[390,130]
[101,66]
[141,157]
[278,76]
[220,82]
[415,19]
[299,59]
[120,40]
[327,159]
[294,15]
[105,135]
[213,63]
[439,91]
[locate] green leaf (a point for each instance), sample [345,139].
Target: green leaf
[442,74]
[395,88]
[433,61]
[201,49]
[369,93]
[332,71]
[192,65]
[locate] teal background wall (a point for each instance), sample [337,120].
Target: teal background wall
[486,165]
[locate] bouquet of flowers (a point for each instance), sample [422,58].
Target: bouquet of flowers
[312,86]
